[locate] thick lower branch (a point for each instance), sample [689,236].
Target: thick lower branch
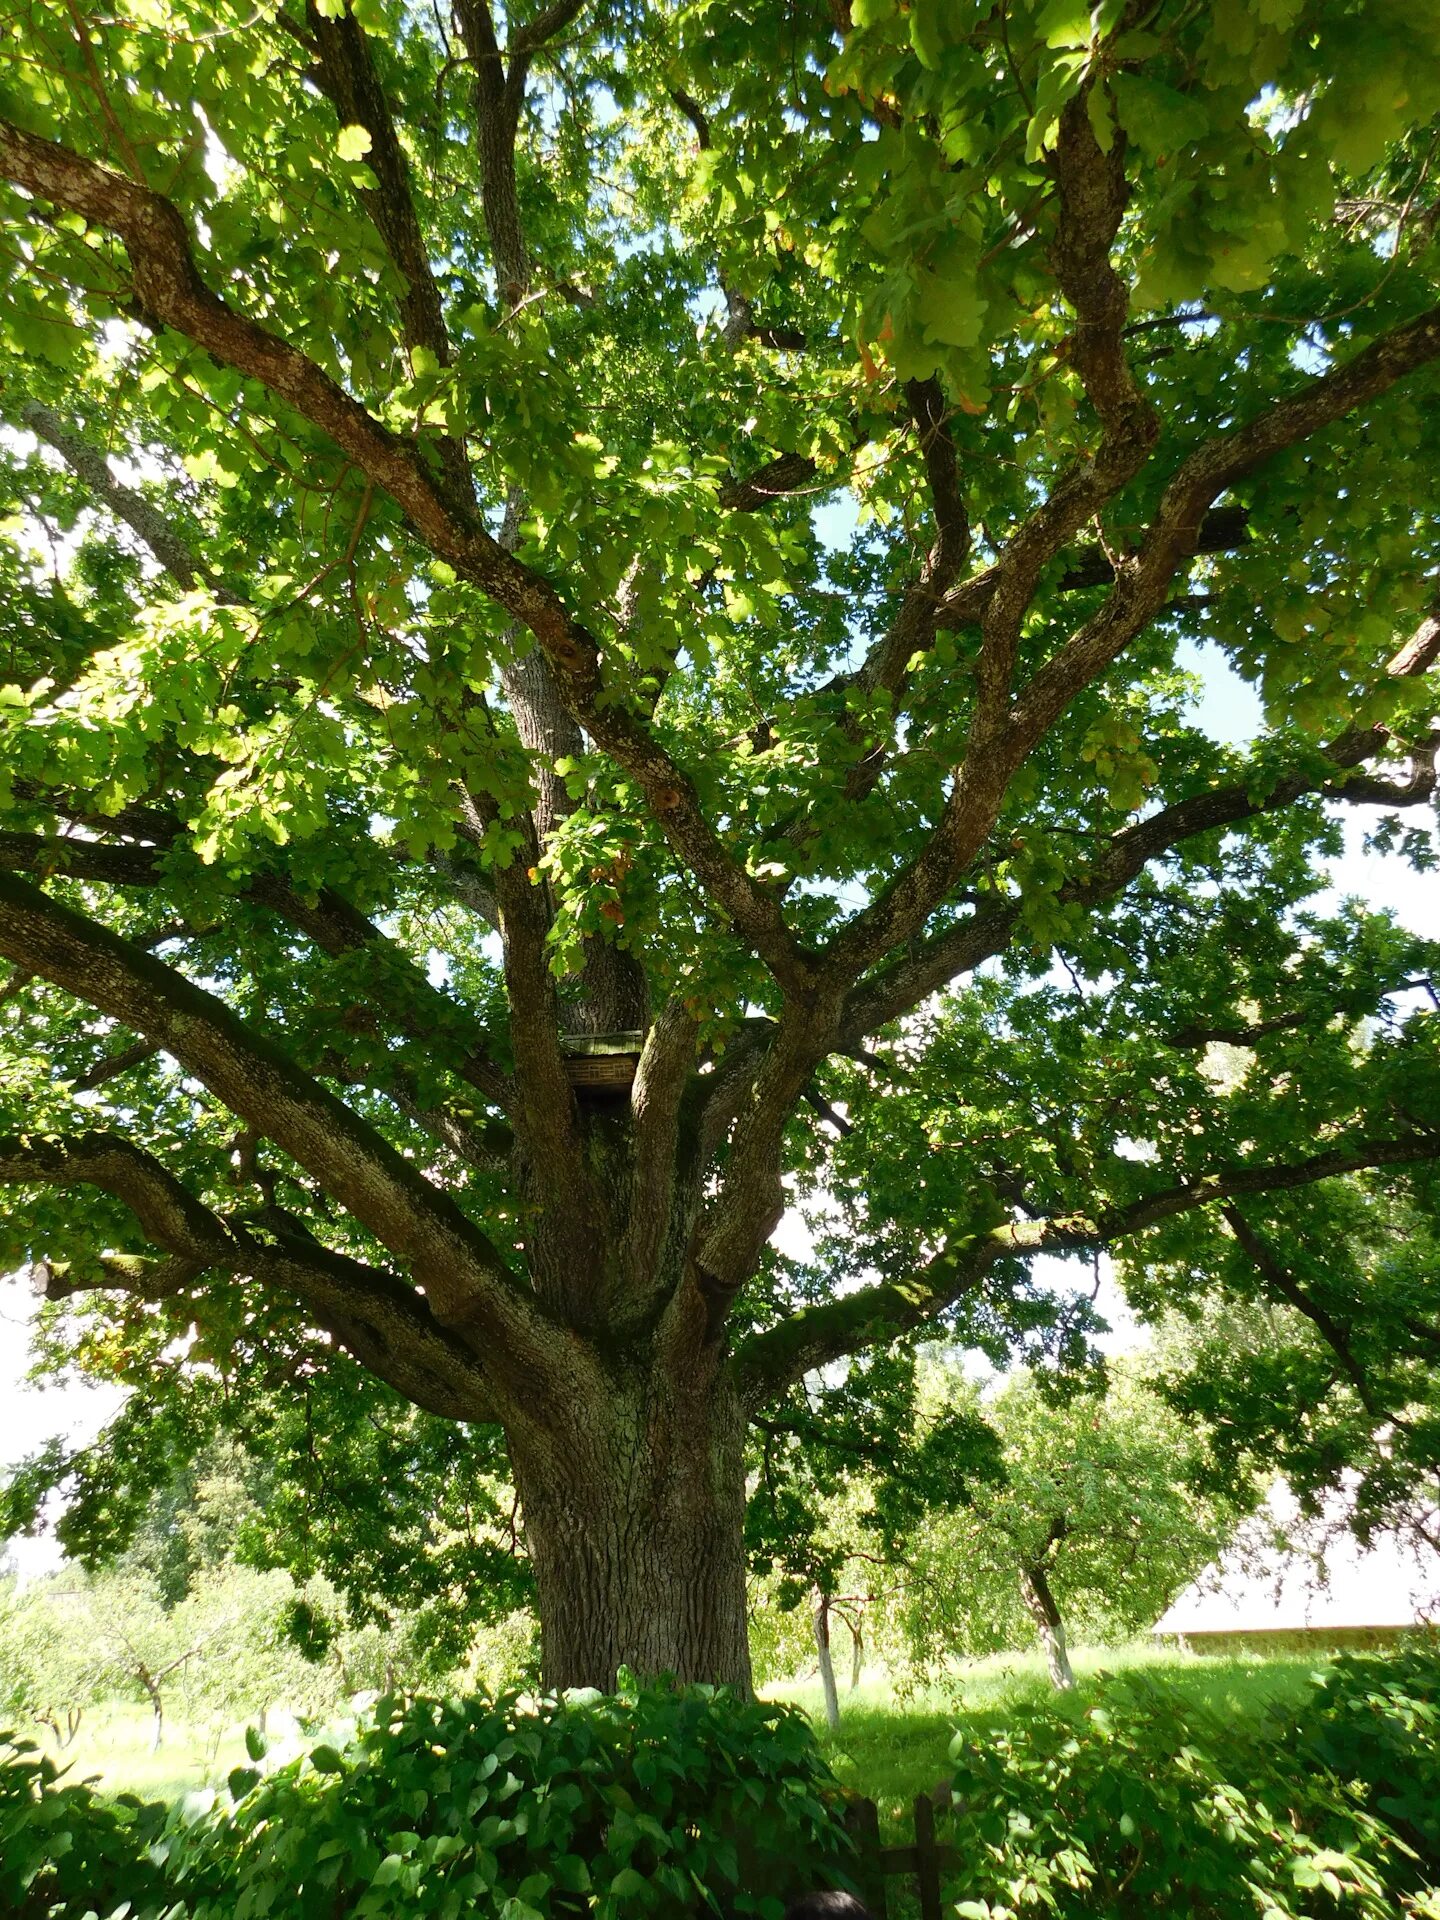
[329,921]
[383,1322]
[464,1276]
[770,1362]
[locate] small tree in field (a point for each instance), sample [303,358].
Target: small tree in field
[594,597]
[44,1675]
[1092,1518]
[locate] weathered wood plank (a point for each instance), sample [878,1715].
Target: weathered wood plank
[862,1818]
[927,1865]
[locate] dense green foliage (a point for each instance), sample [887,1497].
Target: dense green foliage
[1211,1791]
[64,1850]
[1377,1722]
[650,1803]
[930,1511]
[697,520]
[1149,1803]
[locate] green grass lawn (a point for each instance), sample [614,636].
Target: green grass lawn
[891,1745]
[115,1749]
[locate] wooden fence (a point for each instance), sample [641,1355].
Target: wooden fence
[924,1861]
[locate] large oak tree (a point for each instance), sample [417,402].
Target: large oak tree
[678,521]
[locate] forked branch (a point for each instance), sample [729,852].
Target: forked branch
[464,1277]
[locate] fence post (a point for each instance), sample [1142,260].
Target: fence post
[862,1819]
[927,1864]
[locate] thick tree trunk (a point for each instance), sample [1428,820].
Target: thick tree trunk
[635,1533]
[1040,1603]
[827,1663]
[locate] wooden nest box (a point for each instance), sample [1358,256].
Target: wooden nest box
[601,1063]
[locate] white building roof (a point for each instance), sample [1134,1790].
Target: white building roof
[1322,1580]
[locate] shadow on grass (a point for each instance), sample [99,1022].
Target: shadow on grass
[894,1744]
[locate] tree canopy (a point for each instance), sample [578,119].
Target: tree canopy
[689,524]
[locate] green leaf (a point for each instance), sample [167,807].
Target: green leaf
[1065,23]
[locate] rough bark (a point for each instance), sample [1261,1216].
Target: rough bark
[1040,1605]
[633,1523]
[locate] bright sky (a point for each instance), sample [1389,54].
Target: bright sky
[1228,710]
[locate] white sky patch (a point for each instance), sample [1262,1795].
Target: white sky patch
[221,165]
[29,1416]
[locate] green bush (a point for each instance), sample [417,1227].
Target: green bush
[64,1850]
[1375,1721]
[1149,1804]
[653,1803]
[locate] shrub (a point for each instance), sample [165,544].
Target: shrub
[1375,1721]
[653,1803]
[63,1849]
[1149,1804]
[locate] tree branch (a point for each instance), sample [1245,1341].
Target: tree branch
[388,1328]
[1222,530]
[786,473]
[1246,1036]
[114,1064]
[656,1103]
[1079,1232]
[1143,580]
[1283,1285]
[1422,649]
[1093,194]
[465,1279]
[537,33]
[169,287]
[329,921]
[931,964]
[167,1212]
[773,1360]
[143,519]
[384,1323]
[346,74]
[499,97]
[886,666]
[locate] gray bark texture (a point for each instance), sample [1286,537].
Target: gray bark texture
[634,1529]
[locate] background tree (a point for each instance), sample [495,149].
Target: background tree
[1094,1516]
[1332,1368]
[44,1674]
[424,656]
[814,1551]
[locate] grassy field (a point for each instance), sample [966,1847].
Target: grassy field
[115,1749]
[891,1745]
[892,1748]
